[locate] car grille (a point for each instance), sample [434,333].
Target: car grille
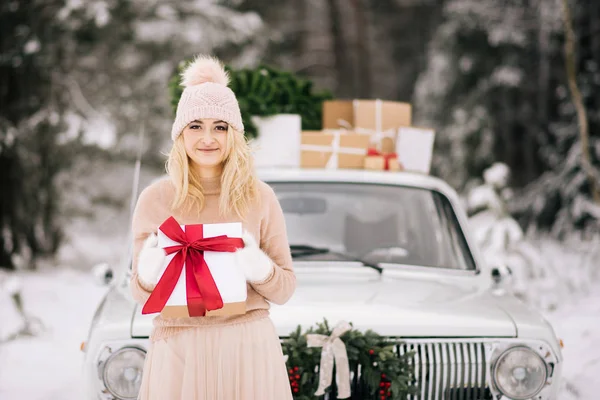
[448,370]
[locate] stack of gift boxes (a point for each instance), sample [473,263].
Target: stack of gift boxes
[369,134]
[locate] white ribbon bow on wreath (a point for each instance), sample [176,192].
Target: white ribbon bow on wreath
[334,351]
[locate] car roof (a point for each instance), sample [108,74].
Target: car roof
[417,180]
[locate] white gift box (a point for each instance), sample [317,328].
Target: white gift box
[414,147]
[227,275]
[278,141]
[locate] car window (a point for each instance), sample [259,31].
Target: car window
[376,223]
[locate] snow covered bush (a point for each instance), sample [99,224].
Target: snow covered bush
[544,271]
[498,235]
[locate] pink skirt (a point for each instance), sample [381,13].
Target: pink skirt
[233,362]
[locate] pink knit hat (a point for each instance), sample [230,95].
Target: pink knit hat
[206,95]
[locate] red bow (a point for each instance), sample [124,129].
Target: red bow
[371,152]
[202,292]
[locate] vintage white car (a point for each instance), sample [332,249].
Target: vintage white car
[388,252]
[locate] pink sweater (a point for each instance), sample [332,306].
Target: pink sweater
[265,221]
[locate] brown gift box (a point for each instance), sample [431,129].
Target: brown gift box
[395,165]
[392,115]
[318,147]
[378,118]
[377,163]
[335,111]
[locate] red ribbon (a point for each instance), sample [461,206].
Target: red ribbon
[386,157]
[202,292]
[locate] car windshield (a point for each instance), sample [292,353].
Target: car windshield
[373,224]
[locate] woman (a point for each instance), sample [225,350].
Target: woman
[211,180]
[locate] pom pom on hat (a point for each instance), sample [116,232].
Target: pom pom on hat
[204,69]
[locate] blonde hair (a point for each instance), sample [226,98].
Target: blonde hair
[238,180]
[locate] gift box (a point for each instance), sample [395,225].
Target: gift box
[200,276]
[395,165]
[377,118]
[337,114]
[414,147]
[278,141]
[377,161]
[333,149]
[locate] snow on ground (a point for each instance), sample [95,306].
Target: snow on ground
[578,325]
[48,367]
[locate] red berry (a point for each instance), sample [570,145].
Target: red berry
[291,371]
[382,376]
[297,376]
[295,369]
[382,392]
[388,384]
[371,352]
[295,390]
[382,384]
[294,384]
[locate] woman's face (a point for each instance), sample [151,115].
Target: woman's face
[205,142]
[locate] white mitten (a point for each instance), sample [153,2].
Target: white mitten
[150,261]
[257,266]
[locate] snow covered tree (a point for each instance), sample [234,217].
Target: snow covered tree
[479,89]
[131,50]
[496,90]
[565,198]
[88,75]
[32,123]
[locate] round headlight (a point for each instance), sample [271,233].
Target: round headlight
[520,373]
[123,372]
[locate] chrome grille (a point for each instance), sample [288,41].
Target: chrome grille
[448,370]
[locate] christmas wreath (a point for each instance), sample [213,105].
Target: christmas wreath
[376,370]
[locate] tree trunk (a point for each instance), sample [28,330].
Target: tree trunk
[11,186]
[594,21]
[582,118]
[342,65]
[362,44]
[543,84]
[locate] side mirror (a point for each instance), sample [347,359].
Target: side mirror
[103,274]
[501,274]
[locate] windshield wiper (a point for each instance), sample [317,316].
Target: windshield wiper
[301,250]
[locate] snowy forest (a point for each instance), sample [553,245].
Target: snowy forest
[80,79]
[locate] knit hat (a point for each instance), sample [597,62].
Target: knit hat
[206,95]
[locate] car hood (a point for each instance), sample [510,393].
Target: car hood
[392,304]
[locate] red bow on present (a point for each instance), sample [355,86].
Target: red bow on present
[387,157]
[202,292]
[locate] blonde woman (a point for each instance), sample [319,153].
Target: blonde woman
[211,180]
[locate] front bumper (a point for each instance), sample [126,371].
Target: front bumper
[444,369]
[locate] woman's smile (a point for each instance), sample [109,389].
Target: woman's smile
[208,151]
